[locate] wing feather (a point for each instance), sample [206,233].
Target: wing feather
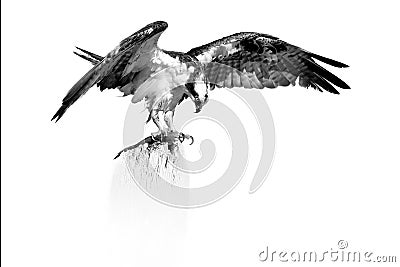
[110,71]
[261,60]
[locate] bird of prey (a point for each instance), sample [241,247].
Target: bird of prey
[138,67]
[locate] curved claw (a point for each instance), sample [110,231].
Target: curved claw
[183,136]
[154,139]
[191,137]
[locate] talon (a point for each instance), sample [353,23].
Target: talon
[191,137]
[182,137]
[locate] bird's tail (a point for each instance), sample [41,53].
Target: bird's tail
[89,56]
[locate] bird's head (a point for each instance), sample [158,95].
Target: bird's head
[198,92]
[197,87]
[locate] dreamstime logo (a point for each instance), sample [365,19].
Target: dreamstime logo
[339,254]
[150,169]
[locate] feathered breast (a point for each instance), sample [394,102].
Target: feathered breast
[170,71]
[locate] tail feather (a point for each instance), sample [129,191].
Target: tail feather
[78,90]
[90,54]
[91,60]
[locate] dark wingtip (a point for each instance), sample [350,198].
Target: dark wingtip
[325,74]
[56,118]
[119,154]
[60,112]
[329,61]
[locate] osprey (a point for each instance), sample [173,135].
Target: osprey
[138,67]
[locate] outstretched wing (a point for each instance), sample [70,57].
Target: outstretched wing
[118,67]
[254,60]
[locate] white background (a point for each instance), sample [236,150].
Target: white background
[336,169]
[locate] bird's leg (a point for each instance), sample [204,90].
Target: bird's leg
[156,119]
[169,121]
[164,135]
